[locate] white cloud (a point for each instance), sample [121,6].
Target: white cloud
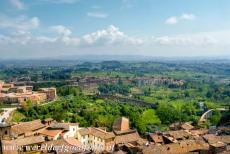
[18,4]
[20,22]
[97,14]
[176,19]
[110,36]
[60,29]
[112,40]
[186,16]
[171,20]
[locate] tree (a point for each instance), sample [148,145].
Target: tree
[147,119]
[167,113]
[216,116]
[147,92]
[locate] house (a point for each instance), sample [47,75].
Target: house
[60,130]
[175,136]
[211,138]
[218,144]
[126,138]
[51,134]
[175,126]
[96,139]
[50,93]
[20,89]
[5,131]
[22,145]
[6,87]
[20,98]
[182,147]
[179,126]
[48,121]
[12,94]
[186,126]
[23,129]
[156,138]
[218,147]
[63,146]
[198,132]
[70,129]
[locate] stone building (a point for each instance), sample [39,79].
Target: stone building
[50,93]
[96,139]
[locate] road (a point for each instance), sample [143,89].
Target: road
[208,113]
[5,114]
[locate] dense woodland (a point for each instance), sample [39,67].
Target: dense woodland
[204,81]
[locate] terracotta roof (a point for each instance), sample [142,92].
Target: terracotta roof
[211,138]
[121,124]
[50,132]
[73,141]
[187,126]
[72,145]
[25,141]
[175,126]
[62,125]
[8,143]
[126,138]
[24,127]
[199,132]
[156,138]
[84,131]
[30,140]
[218,144]
[179,134]
[96,132]
[177,148]
[124,132]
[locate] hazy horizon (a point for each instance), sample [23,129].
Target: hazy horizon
[153,28]
[100,58]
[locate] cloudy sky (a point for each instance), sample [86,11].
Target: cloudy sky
[52,28]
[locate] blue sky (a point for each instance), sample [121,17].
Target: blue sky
[46,28]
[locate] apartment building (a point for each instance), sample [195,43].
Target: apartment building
[96,139]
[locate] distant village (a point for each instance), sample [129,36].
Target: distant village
[16,94]
[91,83]
[51,137]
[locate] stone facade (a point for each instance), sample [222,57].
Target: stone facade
[50,93]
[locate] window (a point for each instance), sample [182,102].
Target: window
[6,132]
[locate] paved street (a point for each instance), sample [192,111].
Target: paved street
[5,114]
